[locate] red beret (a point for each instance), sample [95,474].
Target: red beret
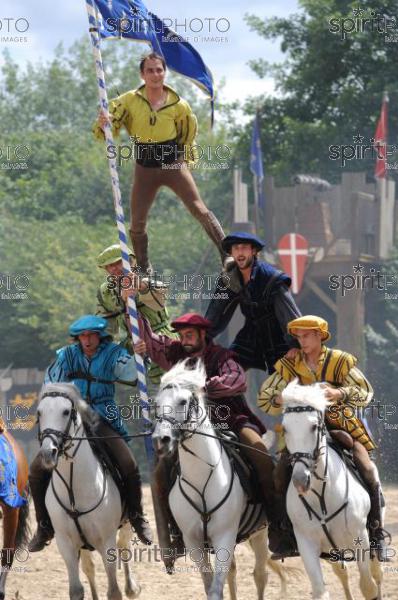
[191,320]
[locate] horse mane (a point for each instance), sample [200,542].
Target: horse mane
[184,376]
[88,415]
[305,395]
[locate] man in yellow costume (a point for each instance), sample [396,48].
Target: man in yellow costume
[346,388]
[164,128]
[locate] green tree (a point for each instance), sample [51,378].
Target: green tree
[329,87]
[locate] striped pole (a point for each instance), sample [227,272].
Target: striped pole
[119,213]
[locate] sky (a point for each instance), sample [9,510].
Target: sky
[48,22]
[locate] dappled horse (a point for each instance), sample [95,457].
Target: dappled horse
[82,499]
[207,499]
[326,503]
[14,503]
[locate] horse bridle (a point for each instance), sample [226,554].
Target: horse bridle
[204,512]
[324,518]
[59,438]
[313,456]
[63,436]
[193,404]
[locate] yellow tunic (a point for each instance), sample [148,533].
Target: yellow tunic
[336,368]
[174,121]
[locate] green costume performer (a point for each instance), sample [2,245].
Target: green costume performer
[150,304]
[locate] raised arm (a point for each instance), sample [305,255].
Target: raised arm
[285,310]
[120,116]
[156,345]
[231,380]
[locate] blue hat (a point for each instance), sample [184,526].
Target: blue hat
[241,237]
[89,323]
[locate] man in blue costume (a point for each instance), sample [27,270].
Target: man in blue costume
[263,294]
[93,363]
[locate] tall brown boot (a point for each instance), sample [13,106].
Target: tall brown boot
[380,539]
[170,537]
[139,523]
[282,541]
[39,479]
[140,246]
[213,228]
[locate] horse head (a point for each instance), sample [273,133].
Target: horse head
[60,413]
[304,430]
[179,405]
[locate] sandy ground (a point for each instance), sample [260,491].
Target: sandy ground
[43,575]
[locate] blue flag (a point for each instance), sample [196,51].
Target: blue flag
[256,162]
[130,19]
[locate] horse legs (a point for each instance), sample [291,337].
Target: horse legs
[259,544]
[70,554]
[341,571]
[10,524]
[367,585]
[233,592]
[200,556]
[114,592]
[224,552]
[88,568]
[309,552]
[377,574]
[132,589]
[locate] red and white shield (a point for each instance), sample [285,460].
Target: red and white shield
[293,255]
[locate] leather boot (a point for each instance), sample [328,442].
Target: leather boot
[282,541]
[134,505]
[213,228]
[140,246]
[380,539]
[169,534]
[45,532]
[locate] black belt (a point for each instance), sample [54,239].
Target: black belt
[157,154]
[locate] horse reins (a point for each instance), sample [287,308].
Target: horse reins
[204,513]
[296,457]
[55,435]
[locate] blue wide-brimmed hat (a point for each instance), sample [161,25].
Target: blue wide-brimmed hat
[241,237]
[89,323]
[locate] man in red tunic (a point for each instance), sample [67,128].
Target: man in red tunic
[225,386]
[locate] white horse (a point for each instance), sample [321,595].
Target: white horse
[207,500]
[325,502]
[82,499]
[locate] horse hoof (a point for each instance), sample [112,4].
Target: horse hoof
[130,593]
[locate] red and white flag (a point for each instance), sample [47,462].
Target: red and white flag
[293,255]
[380,137]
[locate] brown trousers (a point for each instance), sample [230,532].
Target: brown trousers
[261,462]
[147,182]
